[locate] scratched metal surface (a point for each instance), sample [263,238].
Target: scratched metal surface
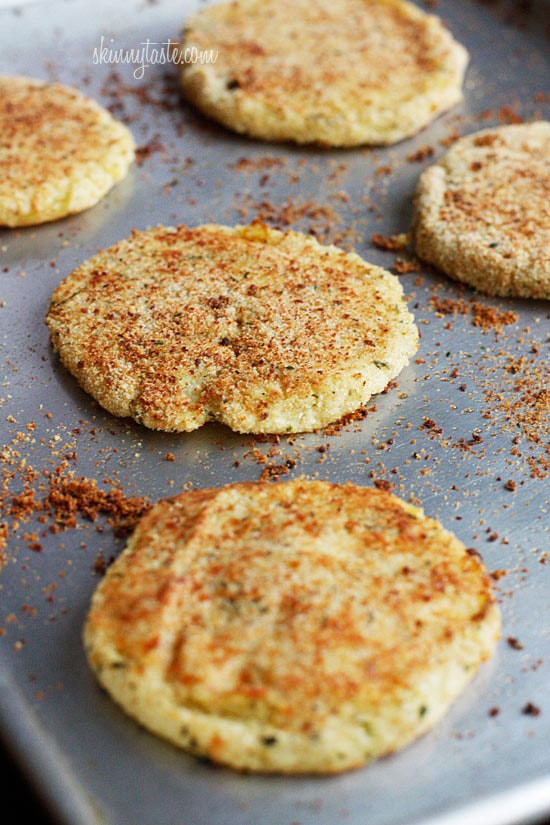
[90,763]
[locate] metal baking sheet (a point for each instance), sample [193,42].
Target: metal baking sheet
[461,433]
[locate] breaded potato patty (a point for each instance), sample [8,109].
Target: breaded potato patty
[332,72]
[482,213]
[60,151]
[265,331]
[295,627]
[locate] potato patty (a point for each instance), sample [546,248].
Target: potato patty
[292,627]
[60,152]
[482,213]
[261,330]
[338,73]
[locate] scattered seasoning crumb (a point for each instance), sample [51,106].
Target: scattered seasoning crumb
[405,265]
[514,643]
[319,219]
[57,498]
[69,497]
[531,709]
[244,164]
[383,484]
[430,424]
[421,154]
[272,472]
[488,317]
[393,243]
[483,316]
[507,115]
[496,575]
[100,564]
[144,152]
[358,415]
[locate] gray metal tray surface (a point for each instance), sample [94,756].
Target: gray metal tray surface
[462,432]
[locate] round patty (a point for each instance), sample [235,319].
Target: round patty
[292,627]
[60,152]
[262,330]
[482,212]
[334,72]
